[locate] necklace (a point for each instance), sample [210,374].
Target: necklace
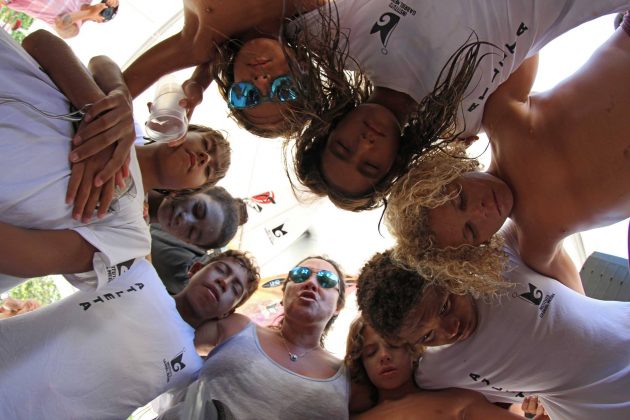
[294,356]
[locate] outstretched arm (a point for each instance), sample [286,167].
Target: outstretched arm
[33,253]
[513,92]
[212,333]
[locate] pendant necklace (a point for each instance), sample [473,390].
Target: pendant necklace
[294,356]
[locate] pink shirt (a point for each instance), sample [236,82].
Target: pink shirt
[47,10]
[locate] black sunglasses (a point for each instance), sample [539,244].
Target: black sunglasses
[243,95]
[325,278]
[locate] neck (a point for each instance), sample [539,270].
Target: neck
[146,161]
[400,104]
[398,393]
[300,338]
[186,311]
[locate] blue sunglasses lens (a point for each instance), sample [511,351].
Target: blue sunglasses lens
[243,95]
[282,88]
[300,274]
[327,279]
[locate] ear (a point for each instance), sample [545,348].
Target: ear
[194,268]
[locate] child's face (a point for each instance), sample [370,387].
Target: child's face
[260,61]
[440,318]
[475,214]
[189,165]
[387,366]
[361,149]
[217,288]
[196,219]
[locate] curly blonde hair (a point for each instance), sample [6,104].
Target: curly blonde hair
[461,270]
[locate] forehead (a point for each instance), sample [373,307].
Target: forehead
[424,312]
[316,264]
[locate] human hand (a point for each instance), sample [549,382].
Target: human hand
[11,307]
[194,95]
[108,121]
[534,408]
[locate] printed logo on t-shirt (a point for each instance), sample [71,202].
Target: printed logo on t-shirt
[107,297]
[387,22]
[115,271]
[481,380]
[537,297]
[176,364]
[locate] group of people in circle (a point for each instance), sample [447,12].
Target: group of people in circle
[475,306]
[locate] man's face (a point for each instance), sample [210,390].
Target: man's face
[440,318]
[217,288]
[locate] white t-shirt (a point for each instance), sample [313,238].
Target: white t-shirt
[542,339]
[34,172]
[96,354]
[404,44]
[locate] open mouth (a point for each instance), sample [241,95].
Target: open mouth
[214,292]
[192,160]
[389,370]
[308,295]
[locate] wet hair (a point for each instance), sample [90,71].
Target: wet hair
[434,120]
[234,215]
[387,292]
[315,65]
[464,269]
[223,156]
[354,356]
[247,261]
[341,301]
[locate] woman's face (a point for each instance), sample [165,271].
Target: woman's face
[475,214]
[196,219]
[388,366]
[309,300]
[260,61]
[189,165]
[361,149]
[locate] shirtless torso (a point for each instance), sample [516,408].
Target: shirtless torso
[565,153]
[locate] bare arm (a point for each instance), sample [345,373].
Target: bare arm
[33,253]
[551,260]
[213,333]
[513,92]
[476,407]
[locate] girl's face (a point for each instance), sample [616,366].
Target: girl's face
[189,165]
[260,61]
[388,367]
[475,214]
[196,219]
[361,149]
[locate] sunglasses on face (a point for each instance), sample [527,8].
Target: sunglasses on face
[325,278]
[245,95]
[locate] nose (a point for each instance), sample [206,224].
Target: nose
[203,158]
[222,283]
[261,82]
[384,355]
[450,327]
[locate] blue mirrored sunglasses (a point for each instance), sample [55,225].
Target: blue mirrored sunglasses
[245,95]
[325,278]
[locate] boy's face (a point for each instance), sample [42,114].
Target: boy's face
[475,214]
[362,149]
[440,318]
[196,219]
[188,165]
[217,288]
[388,366]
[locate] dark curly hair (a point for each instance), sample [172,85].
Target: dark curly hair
[387,292]
[234,215]
[434,120]
[248,262]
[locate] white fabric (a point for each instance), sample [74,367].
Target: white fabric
[34,172]
[404,44]
[251,385]
[96,354]
[570,350]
